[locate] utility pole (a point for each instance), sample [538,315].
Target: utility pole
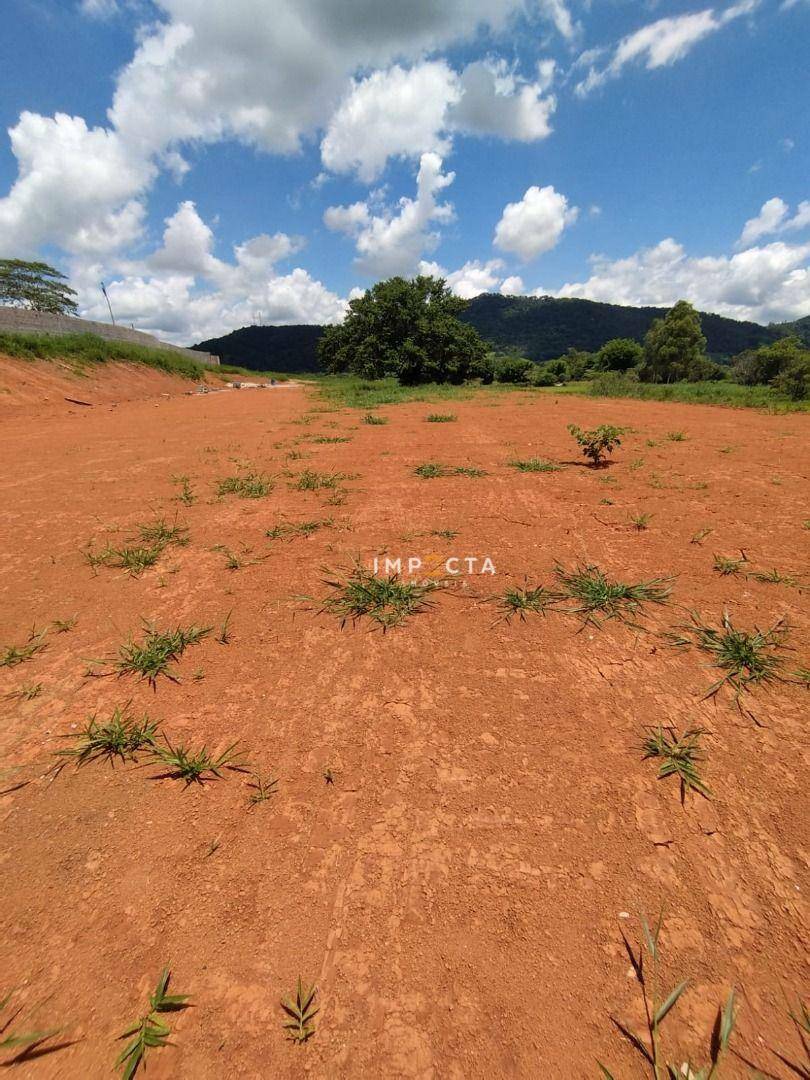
[109,305]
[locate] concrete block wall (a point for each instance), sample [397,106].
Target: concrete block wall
[22,321]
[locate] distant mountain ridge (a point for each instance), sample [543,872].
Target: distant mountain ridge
[540,328]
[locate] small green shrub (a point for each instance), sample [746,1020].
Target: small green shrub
[598,442]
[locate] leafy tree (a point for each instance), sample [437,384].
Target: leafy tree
[619,354]
[794,379]
[578,362]
[37,286]
[674,346]
[483,368]
[513,369]
[407,329]
[760,366]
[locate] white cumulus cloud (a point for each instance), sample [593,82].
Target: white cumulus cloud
[773,218]
[394,240]
[535,224]
[763,284]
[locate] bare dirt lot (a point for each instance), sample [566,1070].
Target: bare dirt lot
[463,824]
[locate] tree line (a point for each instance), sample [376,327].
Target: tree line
[409,329]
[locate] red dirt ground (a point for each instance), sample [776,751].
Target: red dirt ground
[458,892]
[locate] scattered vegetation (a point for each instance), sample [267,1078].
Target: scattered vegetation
[287,531]
[262,788]
[186,495]
[432,469]
[700,536]
[20,1041]
[658,1006]
[12,655]
[195,766]
[325,439]
[301,1011]
[676,436]
[149,1031]
[247,486]
[386,601]
[597,443]
[372,418]
[309,480]
[121,736]
[596,595]
[517,601]
[159,532]
[640,522]
[28,691]
[440,418]
[727,566]
[534,464]
[156,652]
[773,577]
[748,658]
[679,755]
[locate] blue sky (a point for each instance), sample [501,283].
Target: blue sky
[215,161]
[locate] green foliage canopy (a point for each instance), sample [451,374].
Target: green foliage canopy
[675,348]
[37,286]
[407,329]
[619,354]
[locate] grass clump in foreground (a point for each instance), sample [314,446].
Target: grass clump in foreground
[301,1011]
[159,532]
[386,601]
[517,601]
[309,480]
[597,443]
[13,655]
[748,658]
[122,736]
[149,1030]
[247,486]
[440,418]
[727,566]
[192,766]
[540,465]
[19,1041]
[596,595]
[430,470]
[680,755]
[371,418]
[159,648]
[657,1007]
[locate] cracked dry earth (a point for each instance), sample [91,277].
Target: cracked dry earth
[458,891]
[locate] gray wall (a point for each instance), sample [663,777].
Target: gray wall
[22,321]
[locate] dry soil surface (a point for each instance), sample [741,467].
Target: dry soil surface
[463,825]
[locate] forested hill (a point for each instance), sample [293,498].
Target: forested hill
[540,328]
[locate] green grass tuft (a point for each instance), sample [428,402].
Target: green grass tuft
[538,465]
[309,480]
[159,648]
[680,755]
[517,601]
[122,736]
[386,601]
[440,418]
[300,1012]
[246,486]
[195,766]
[12,655]
[596,595]
[149,1031]
[748,657]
